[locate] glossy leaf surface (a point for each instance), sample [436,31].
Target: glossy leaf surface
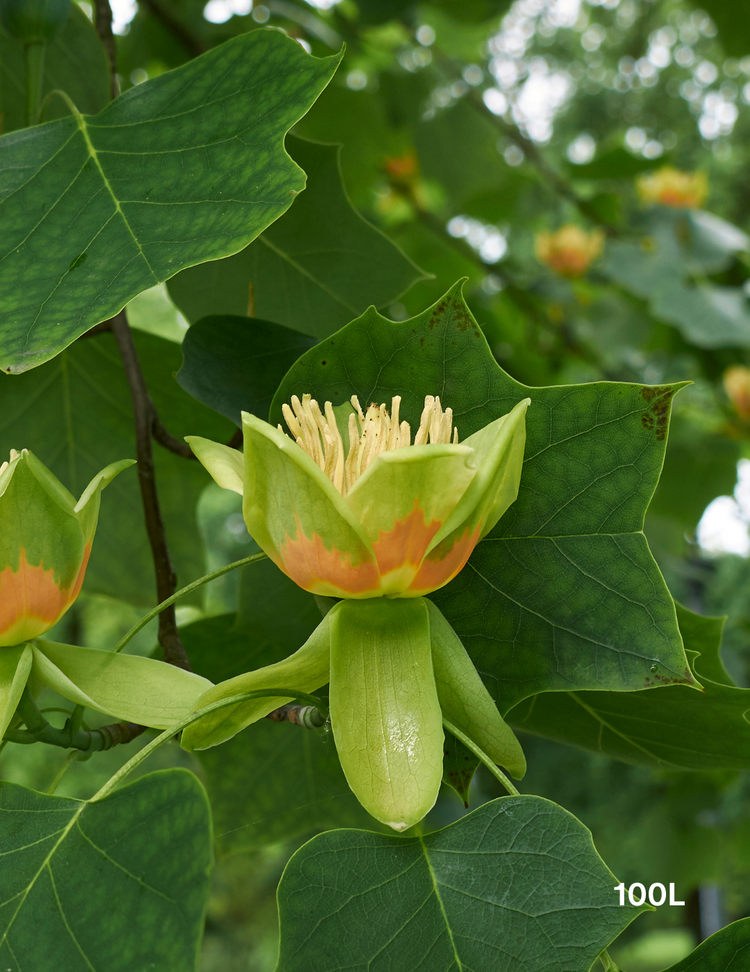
[77,878]
[663,727]
[727,950]
[314,270]
[235,364]
[187,167]
[487,893]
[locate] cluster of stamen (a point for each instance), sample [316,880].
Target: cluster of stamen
[370,433]
[13,455]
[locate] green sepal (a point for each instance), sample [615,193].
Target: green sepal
[87,507]
[465,701]
[15,668]
[306,670]
[225,465]
[385,712]
[128,687]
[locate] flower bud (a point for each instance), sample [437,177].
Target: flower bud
[570,251]
[45,542]
[671,187]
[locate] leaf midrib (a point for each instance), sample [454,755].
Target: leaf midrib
[436,892]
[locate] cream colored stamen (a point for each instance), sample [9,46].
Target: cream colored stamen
[369,434]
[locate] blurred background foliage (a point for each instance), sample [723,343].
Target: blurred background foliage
[585,164]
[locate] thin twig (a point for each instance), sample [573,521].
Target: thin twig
[192,44]
[166,439]
[144,411]
[103,27]
[527,146]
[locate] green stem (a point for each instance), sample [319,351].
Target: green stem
[181,593]
[69,760]
[32,717]
[608,963]
[481,755]
[76,718]
[34,55]
[168,734]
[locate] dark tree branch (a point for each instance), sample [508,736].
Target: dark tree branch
[103,27]
[145,416]
[192,44]
[166,439]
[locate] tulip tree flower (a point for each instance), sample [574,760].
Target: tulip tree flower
[45,543]
[671,187]
[379,524]
[570,251]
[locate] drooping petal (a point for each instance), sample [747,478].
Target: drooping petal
[226,465]
[306,670]
[128,687]
[403,499]
[15,667]
[465,701]
[385,713]
[32,599]
[296,515]
[87,506]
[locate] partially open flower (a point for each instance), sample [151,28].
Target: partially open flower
[45,542]
[570,251]
[379,523]
[671,187]
[385,516]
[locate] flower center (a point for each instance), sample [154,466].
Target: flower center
[370,433]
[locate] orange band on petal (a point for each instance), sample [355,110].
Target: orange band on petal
[406,542]
[442,566]
[30,600]
[308,562]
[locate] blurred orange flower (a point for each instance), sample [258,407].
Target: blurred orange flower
[671,187]
[737,386]
[570,251]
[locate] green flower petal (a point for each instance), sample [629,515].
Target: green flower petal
[87,506]
[385,712]
[306,670]
[403,499]
[297,516]
[226,465]
[15,667]
[466,702]
[128,687]
[498,456]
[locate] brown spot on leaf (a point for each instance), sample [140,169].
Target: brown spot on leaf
[656,417]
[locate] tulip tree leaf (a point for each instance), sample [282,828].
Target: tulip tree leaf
[667,728]
[728,950]
[563,594]
[272,781]
[75,414]
[235,364]
[77,877]
[74,62]
[707,315]
[508,888]
[187,167]
[313,270]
